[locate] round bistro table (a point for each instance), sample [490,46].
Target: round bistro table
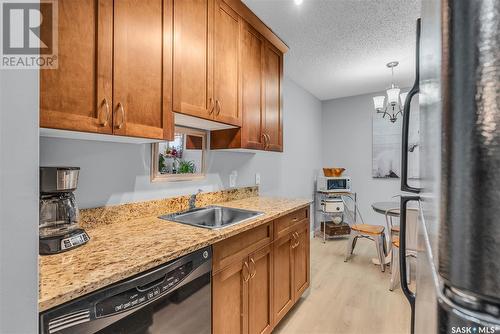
[392,210]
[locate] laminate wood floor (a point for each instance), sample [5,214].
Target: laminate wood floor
[347,298]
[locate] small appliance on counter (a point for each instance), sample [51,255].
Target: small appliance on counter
[333,205]
[59,228]
[333,184]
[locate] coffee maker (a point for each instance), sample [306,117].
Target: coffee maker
[59,229]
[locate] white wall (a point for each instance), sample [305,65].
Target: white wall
[113,173]
[18,201]
[347,142]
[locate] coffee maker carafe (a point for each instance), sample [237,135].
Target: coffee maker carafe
[59,228]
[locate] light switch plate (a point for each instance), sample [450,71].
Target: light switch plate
[257,178]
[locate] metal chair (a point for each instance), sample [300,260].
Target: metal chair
[411,251]
[372,232]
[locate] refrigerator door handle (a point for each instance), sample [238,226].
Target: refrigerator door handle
[402,257]
[406,120]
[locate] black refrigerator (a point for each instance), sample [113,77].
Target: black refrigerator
[458,86]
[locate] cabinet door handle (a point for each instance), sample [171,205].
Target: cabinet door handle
[122,111]
[218,106]
[266,141]
[106,106]
[211,106]
[295,242]
[254,272]
[246,277]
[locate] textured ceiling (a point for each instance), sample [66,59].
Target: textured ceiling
[340,47]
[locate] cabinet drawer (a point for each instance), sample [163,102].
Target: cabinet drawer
[285,224]
[241,245]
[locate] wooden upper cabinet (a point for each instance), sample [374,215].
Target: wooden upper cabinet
[114,72]
[226,64]
[141,81]
[230,299]
[78,94]
[261,73]
[273,80]
[252,56]
[192,57]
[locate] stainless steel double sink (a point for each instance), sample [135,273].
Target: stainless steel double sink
[212,217]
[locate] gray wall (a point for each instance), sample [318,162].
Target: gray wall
[347,142]
[113,173]
[18,201]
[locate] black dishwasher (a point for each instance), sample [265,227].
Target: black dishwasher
[172,298]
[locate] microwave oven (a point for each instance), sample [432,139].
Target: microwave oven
[334,184]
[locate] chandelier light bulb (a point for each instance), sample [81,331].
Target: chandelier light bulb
[403,98]
[393,96]
[378,102]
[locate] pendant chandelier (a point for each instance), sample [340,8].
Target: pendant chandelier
[394,106]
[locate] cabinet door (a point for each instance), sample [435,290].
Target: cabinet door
[259,291]
[77,95]
[283,276]
[192,68]
[226,64]
[273,76]
[230,299]
[252,51]
[301,261]
[141,82]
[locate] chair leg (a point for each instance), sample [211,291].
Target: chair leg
[394,268]
[380,251]
[384,244]
[350,246]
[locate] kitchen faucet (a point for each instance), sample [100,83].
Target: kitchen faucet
[192,200]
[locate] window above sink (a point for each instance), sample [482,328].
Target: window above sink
[181,159]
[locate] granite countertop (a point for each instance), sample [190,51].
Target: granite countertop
[120,250]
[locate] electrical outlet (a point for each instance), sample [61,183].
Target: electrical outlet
[257,178]
[232,179]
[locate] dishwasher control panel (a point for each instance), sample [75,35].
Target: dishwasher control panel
[140,295]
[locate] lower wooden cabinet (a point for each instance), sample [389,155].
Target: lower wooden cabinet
[253,292]
[259,291]
[291,269]
[301,260]
[242,295]
[283,276]
[230,299]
